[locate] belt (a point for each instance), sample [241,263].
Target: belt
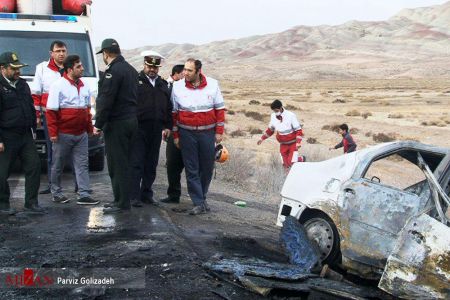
[205,127]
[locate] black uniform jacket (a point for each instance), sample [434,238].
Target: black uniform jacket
[117,93]
[17,113]
[154,102]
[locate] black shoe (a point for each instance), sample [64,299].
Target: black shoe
[8,212]
[87,201]
[206,206]
[150,201]
[114,210]
[197,210]
[170,200]
[45,192]
[60,199]
[136,203]
[110,204]
[35,208]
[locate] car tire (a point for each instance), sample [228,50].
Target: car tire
[97,161]
[321,230]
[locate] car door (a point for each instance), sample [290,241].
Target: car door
[377,206]
[419,266]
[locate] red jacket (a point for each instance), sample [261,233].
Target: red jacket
[198,108]
[68,108]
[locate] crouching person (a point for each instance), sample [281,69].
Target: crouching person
[69,124]
[17,123]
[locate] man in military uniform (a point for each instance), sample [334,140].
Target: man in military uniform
[17,127]
[155,119]
[116,116]
[174,159]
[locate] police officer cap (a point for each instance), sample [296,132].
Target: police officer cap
[108,44]
[152,58]
[11,59]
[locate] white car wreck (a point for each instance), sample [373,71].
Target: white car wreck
[381,212]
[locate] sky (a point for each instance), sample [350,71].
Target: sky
[140,23]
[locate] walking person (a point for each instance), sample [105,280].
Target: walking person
[199,119]
[69,124]
[348,143]
[288,131]
[174,159]
[116,116]
[154,113]
[17,127]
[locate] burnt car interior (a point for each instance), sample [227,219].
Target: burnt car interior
[401,170]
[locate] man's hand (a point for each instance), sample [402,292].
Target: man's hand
[219,138]
[166,134]
[38,122]
[177,142]
[53,139]
[97,131]
[259,142]
[2,147]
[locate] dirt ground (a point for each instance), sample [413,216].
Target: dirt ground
[172,246]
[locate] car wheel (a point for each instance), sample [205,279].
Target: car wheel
[321,230]
[97,161]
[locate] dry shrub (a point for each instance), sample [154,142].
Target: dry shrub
[255,115]
[417,96]
[437,123]
[254,102]
[338,100]
[267,104]
[254,130]
[226,92]
[433,102]
[291,107]
[354,130]
[396,116]
[238,168]
[237,133]
[367,100]
[312,140]
[332,127]
[368,134]
[384,137]
[314,153]
[353,113]
[366,114]
[270,176]
[231,112]
[308,94]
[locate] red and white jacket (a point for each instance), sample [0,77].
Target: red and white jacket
[68,108]
[46,74]
[200,108]
[74,6]
[286,126]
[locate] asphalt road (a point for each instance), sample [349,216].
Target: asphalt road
[170,246]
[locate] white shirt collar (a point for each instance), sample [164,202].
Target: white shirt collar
[152,81]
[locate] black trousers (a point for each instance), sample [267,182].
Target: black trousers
[119,138]
[144,160]
[175,167]
[19,146]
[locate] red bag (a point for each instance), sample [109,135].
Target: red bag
[73,6]
[7,6]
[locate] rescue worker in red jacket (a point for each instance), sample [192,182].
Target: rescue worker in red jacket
[199,118]
[46,74]
[69,124]
[288,131]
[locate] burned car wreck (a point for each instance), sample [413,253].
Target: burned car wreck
[380,213]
